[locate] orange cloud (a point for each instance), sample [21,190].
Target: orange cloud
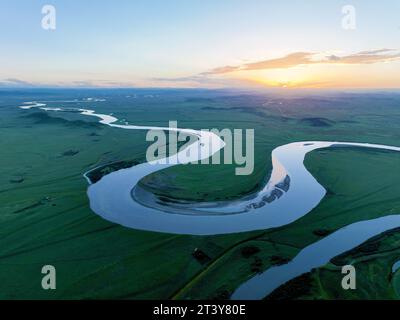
[291,60]
[306,58]
[363,58]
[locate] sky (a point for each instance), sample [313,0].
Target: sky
[201,43]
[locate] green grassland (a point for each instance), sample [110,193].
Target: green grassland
[45,216]
[373,261]
[357,191]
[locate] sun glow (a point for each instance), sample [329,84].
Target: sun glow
[298,77]
[283,81]
[317,76]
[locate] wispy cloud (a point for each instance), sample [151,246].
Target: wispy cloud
[221,70]
[291,60]
[376,51]
[363,58]
[14,82]
[196,78]
[306,58]
[200,80]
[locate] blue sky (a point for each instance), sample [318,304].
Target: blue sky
[176,42]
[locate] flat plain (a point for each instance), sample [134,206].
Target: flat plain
[45,216]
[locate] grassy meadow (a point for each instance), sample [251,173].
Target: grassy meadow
[45,216]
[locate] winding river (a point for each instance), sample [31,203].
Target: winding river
[315,255]
[290,193]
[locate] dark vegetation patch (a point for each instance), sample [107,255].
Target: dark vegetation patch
[317,122]
[330,192]
[275,194]
[370,246]
[278,260]
[256,265]
[70,153]
[41,202]
[17,180]
[257,205]
[98,173]
[249,251]
[44,118]
[285,184]
[164,199]
[221,295]
[201,256]
[322,232]
[292,289]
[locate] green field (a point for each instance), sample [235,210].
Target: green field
[45,216]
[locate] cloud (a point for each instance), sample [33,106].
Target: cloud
[14,82]
[201,80]
[197,78]
[333,58]
[363,58]
[307,58]
[376,51]
[221,70]
[291,60]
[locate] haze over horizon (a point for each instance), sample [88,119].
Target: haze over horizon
[207,44]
